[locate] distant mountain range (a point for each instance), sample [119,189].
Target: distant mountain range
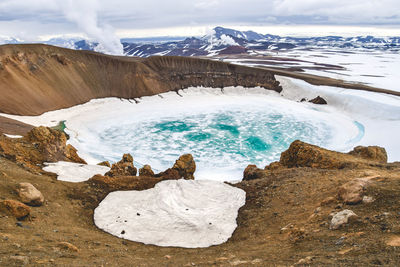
[229,41]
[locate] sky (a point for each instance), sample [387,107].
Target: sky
[106,21]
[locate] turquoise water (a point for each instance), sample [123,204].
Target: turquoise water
[224,140]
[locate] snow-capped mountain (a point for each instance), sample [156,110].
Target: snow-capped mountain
[228,41]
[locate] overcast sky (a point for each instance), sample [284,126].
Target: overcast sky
[33,19]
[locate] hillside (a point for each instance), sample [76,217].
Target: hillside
[37,78]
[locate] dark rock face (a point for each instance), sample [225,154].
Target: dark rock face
[236,49]
[124,167]
[374,153]
[318,100]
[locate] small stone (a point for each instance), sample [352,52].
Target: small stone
[368,199]
[318,100]
[30,195]
[394,241]
[341,218]
[68,246]
[167,257]
[14,208]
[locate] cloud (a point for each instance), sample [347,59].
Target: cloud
[98,18]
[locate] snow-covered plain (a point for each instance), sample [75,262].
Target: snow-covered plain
[74,172]
[182,213]
[375,68]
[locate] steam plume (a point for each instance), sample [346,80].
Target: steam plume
[84,14]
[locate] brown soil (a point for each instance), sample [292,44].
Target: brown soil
[10,126]
[282,222]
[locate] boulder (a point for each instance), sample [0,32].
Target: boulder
[30,195]
[318,100]
[352,192]
[373,153]
[124,167]
[341,218]
[252,172]
[184,167]
[104,163]
[146,171]
[14,208]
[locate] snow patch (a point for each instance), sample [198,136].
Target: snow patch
[179,213]
[74,172]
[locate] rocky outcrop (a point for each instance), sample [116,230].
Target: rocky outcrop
[318,100]
[124,167]
[41,144]
[30,195]
[184,167]
[373,153]
[53,145]
[301,154]
[41,78]
[14,208]
[146,171]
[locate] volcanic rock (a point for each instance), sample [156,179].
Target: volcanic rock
[318,100]
[374,153]
[30,195]
[146,171]
[41,144]
[53,145]
[301,154]
[104,163]
[252,172]
[184,167]
[14,208]
[352,192]
[124,167]
[341,218]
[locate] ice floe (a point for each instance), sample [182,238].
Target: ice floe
[178,213]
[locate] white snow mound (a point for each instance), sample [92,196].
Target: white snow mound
[74,172]
[178,213]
